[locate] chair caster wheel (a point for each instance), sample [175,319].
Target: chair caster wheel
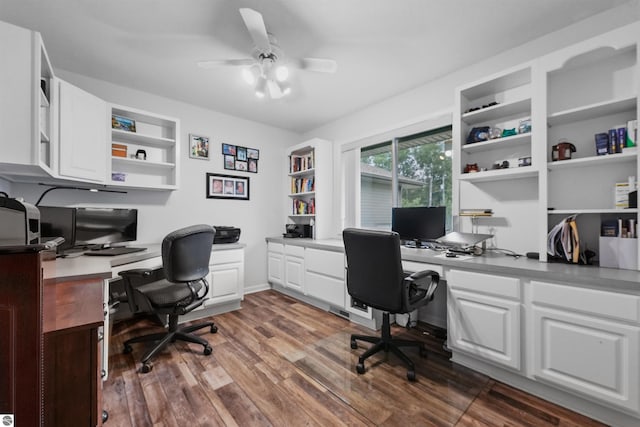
[411,375]
[360,368]
[146,368]
[354,344]
[214,329]
[127,349]
[207,350]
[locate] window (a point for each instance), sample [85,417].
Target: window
[422,176]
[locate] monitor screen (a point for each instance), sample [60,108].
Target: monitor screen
[421,223]
[104,226]
[58,222]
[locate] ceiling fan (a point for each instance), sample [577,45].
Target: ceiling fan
[267,68]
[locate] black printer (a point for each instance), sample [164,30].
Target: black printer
[226,234]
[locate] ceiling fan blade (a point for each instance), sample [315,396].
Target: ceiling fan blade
[317,64]
[258,31]
[226,62]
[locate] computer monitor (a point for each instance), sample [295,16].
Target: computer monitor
[57,221]
[419,224]
[105,226]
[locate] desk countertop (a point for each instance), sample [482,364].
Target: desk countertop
[85,267]
[497,263]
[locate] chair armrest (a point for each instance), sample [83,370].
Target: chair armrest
[138,272]
[426,281]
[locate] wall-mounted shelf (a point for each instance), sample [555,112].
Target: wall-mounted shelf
[523,139]
[308,193]
[506,109]
[499,174]
[591,111]
[593,161]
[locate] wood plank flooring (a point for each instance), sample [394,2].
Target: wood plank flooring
[281,362]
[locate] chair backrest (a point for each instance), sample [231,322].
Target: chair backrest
[186,253]
[374,268]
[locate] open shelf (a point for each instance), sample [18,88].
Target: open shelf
[138,138]
[142,163]
[592,111]
[593,161]
[308,193]
[592,211]
[500,174]
[522,106]
[523,139]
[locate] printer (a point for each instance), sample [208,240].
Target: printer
[226,234]
[19,223]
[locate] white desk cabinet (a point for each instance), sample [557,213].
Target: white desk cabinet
[226,276]
[324,275]
[484,316]
[294,268]
[587,341]
[83,134]
[275,263]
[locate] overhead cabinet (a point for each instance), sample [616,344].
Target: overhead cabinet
[27,118]
[82,134]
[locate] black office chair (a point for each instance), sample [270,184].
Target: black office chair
[375,278]
[185,265]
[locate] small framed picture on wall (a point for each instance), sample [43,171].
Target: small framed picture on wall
[198,147]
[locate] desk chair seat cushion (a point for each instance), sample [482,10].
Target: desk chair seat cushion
[164,293]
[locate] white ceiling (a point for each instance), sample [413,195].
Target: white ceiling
[383,47]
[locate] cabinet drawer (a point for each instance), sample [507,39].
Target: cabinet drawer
[294,250]
[502,286]
[414,267]
[226,256]
[325,262]
[325,288]
[608,304]
[275,247]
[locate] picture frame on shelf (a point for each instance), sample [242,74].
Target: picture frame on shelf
[123,123]
[229,162]
[220,186]
[198,147]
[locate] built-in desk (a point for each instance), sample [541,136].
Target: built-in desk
[567,333]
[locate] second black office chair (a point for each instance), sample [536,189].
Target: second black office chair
[185,265]
[375,278]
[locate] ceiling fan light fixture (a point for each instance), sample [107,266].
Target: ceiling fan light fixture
[261,87]
[282,73]
[251,74]
[285,87]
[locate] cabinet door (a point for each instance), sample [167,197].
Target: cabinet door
[294,273]
[83,134]
[594,357]
[275,265]
[224,282]
[485,326]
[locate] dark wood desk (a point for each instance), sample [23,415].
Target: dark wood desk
[49,343]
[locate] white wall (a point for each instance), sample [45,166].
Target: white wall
[436,97]
[6,187]
[162,212]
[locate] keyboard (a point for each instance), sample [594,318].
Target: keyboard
[120,250]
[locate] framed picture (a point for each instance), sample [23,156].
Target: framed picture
[198,147]
[253,165]
[229,149]
[252,153]
[241,154]
[229,162]
[241,166]
[123,123]
[227,187]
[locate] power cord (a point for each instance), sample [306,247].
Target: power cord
[507,252]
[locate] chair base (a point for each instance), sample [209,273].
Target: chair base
[387,343]
[162,339]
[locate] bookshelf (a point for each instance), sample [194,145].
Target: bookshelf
[309,181]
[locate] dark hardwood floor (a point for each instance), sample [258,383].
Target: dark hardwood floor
[281,362]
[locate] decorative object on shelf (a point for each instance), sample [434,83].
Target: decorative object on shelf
[524,161]
[524,126]
[602,143]
[478,134]
[240,158]
[562,151]
[504,164]
[632,133]
[141,154]
[509,132]
[118,150]
[495,133]
[471,167]
[123,123]
[198,147]
[227,187]
[118,176]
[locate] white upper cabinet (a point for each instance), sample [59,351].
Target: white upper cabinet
[28,141]
[83,134]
